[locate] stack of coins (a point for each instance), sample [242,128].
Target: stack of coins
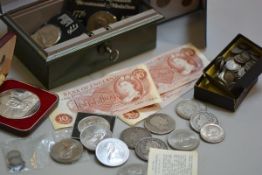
[93,129]
[234,67]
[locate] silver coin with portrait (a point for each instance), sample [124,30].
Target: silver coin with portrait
[18,104]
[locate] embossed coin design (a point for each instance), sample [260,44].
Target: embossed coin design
[47,36]
[18,104]
[229,76]
[132,135]
[160,123]
[66,151]
[201,118]
[212,133]
[92,120]
[100,19]
[143,146]
[112,152]
[133,169]
[232,65]
[186,108]
[183,139]
[92,135]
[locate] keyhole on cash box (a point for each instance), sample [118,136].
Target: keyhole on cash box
[107,50]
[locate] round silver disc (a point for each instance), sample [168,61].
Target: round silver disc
[133,169]
[212,133]
[183,139]
[112,152]
[186,108]
[18,104]
[92,135]
[201,118]
[92,120]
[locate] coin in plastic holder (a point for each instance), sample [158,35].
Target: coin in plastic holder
[92,120]
[15,161]
[18,104]
[66,151]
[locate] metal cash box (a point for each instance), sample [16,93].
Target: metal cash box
[81,55]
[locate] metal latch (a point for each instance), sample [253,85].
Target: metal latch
[107,50]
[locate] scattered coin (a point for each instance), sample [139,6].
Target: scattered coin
[229,76]
[243,46]
[249,64]
[133,169]
[186,108]
[100,19]
[132,135]
[160,123]
[212,133]
[236,50]
[92,135]
[183,139]
[15,161]
[18,104]
[66,151]
[112,152]
[143,146]
[232,65]
[47,36]
[92,120]
[201,118]
[241,72]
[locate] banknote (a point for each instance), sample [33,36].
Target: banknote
[134,117]
[176,67]
[119,93]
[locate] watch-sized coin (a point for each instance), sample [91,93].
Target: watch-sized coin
[66,151]
[132,135]
[92,120]
[236,50]
[92,135]
[100,19]
[229,76]
[212,133]
[183,139]
[47,36]
[243,46]
[112,152]
[186,108]
[241,72]
[242,58]
[160,123]
[18,104]
[143,146]
[133,169]
[249,65]
[201,118]
[232,65]
[14,160]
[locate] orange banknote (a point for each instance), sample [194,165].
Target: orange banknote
[176,67]
[119,92]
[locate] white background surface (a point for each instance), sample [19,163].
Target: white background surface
[240,153]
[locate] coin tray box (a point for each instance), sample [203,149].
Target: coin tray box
[206,91]
[24,126]
[82,115]
[211,71]
[80,55]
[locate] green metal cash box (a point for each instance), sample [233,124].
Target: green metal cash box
[80,55]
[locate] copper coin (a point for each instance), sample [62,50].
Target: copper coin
[100,19]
